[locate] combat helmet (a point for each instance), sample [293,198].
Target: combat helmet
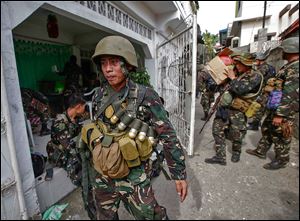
[290,45]
[263,55]
[116,45]
[245,58]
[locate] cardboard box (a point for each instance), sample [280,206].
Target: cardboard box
[217,69]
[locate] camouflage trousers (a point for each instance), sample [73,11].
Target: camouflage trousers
[106,195]
[233,129]
[206,100]
[273,135]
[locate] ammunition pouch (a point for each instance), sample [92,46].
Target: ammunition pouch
[107,158]
[273,84]
[129,151]
[114,153]
[240,104]
[254,107]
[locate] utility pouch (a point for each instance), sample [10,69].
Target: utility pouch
[274,99]
[268,88]
[129,151]
[240,104]
[254,107]
[109,161]
[144,149]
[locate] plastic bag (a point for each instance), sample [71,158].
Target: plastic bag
[54,212]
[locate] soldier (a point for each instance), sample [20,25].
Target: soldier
[73,72]
[115,158]
[268,71]
[230,119]
[36,107]
[61,148]
[282,105]
[208,87]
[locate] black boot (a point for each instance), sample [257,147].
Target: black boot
[274,165]
[205,116]
[254,125]
[45,130]
[235,157]
[216,160]
[255,153]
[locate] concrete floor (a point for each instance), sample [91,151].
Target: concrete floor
[243,190]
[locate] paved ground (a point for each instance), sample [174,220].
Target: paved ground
[243,190]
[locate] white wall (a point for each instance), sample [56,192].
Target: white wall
[252,9]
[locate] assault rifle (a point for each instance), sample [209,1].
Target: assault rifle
[214,107]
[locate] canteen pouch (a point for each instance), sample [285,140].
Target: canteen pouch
[274,99]
[254,107]
[144,149]
[240,104]
[129,151]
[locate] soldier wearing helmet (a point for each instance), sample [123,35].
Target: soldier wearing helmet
[129,120]
[208,87]
[230,119]
[282,105]
[268,71]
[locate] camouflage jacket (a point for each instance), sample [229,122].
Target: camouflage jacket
[267,70]
[249,83]
[62,144]
[151,111]
[290,98]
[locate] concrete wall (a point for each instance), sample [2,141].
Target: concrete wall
[252,9]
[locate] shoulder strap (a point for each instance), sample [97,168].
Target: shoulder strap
[251,95]
[141,94]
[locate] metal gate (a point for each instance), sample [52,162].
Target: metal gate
[177,82]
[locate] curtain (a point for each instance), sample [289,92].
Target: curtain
[35,61]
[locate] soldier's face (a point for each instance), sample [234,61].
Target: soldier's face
[80,109]
[112,70]
[240,67]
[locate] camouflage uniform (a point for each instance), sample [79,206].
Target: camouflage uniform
[104,193]
[231,123]
[36,107]
[207,86]
[288,107]
[61,148]
[268,71]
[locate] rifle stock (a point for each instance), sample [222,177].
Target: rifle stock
[214,107]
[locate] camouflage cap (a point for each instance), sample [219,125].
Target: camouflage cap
[290,45]
[263,55]
[245,58]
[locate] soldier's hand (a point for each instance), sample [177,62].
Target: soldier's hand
[277,120]
[181,188]
[230,73]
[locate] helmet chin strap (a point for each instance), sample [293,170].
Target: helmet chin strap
[124,69]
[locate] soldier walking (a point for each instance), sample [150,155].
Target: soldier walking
[207,87]
[230,120]
[282,105]
[268,71]
[129,119]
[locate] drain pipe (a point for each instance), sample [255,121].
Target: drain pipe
[12,148]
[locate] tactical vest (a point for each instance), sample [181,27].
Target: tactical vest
[118,134]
